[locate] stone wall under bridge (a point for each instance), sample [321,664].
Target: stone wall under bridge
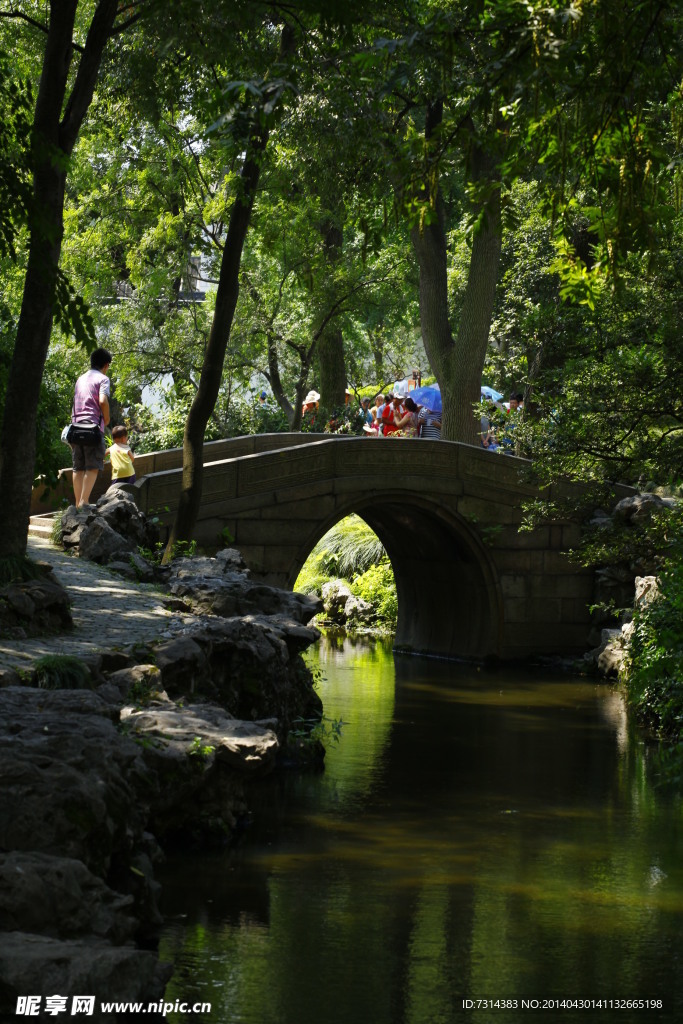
[469,584]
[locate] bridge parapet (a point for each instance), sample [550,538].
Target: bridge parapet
[46,499]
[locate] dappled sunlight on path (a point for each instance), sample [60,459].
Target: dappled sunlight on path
[108,612]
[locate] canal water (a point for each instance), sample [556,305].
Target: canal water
[482,846]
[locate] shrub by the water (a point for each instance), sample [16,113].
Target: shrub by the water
[378,587]
[655,676]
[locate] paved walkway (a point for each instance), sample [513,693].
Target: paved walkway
[108,611]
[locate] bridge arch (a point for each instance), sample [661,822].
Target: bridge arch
[449,597]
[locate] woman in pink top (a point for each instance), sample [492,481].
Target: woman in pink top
[91,405]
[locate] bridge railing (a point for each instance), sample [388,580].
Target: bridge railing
[45,499]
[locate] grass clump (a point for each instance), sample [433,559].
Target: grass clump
[18,569]
[348,548]
[61,672]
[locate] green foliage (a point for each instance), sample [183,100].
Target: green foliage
[180,549]
[602,380]
[655,671]
[199,751]
[648,541]
[61,672]
[56,529]
[352,551]
[378,586]
[312,577]
[309,732]
[15,134]
[64,364]
[142,691]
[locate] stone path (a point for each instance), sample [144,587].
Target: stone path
[108,611]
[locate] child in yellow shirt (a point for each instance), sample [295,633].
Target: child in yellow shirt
[122,468]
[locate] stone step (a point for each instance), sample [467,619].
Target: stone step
[41,526]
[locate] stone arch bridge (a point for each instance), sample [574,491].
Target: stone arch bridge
[468,583]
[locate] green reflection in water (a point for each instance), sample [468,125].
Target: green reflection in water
[358,687]
[474,835]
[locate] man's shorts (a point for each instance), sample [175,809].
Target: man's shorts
[88,456]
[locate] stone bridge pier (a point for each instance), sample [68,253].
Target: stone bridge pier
[469,583]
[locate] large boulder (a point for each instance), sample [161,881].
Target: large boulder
[647,591]
[250,665]
[184,668]
[75,881]
[609,657]
[201,756]
[205,732]
[222,586]
[111,530]
[35,607]
[72,785]
[42,966]
[100,543]
[638,508]
[335,594]
[60,897]
[119,509]
[359,612]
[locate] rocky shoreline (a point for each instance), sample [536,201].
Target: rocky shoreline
[106,761]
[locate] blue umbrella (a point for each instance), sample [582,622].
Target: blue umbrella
[429,395]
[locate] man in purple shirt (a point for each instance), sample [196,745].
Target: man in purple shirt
[91,405]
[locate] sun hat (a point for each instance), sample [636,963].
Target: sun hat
[312,396]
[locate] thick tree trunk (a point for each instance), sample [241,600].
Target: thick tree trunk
[54,139]
[331,360]
[458,361]
[332,368]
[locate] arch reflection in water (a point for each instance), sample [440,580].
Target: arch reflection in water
[502,842]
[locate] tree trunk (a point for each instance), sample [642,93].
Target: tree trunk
[458,362]
[331,361]
[377,343]
[227,294]
[275,380]
[53,142]
[214,357]
[332,368]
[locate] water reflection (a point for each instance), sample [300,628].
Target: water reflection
[474,835]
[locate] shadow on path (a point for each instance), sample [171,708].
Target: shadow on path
[108,612]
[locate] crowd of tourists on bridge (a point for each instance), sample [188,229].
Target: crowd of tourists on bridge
[411,410]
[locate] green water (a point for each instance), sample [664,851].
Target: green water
[475,836]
